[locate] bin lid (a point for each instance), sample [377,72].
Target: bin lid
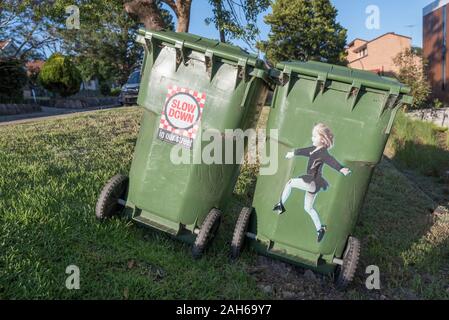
[202,44]
[343,74]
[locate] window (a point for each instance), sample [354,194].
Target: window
[363,52]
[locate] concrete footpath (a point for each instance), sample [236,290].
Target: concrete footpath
[47,113]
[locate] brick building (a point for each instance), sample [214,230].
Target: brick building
[377,55]
[435,31]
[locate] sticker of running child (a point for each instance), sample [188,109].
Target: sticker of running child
[313,182]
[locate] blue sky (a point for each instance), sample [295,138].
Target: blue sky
[400,16]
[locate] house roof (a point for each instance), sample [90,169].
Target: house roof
[353,41]
[379,37]
[4,43]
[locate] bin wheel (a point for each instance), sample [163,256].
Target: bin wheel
[115,190]
[238,239]
[345,273]
[207,233]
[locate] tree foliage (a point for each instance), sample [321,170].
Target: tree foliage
[412,72]
[234,19]
[13,79]
[104,47]
[24,22]
[60,75]
[237,19]
[304,30]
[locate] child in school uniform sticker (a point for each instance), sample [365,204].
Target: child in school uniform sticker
[313,182]
[181,116]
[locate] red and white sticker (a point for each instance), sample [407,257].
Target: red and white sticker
[181,116]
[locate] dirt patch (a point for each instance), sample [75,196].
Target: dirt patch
[287,282]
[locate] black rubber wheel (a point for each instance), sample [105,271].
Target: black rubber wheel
[345,273]
[207,233]
[238,239]
[113,191]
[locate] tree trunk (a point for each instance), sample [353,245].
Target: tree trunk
[183,24]
[222,35]
[147,12]
[220,22]
[183,14]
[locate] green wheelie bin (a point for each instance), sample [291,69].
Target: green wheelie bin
[332,126]
[190,85]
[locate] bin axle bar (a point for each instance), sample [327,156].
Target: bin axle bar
[251,235]
[338,261]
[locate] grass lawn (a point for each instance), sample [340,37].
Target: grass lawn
[51,173]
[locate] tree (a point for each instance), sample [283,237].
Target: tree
[149,13]
[304,30]
[233,19]
[13,79]
[60,75]
[412,72]
[104,47]
[237,20]
[22,22]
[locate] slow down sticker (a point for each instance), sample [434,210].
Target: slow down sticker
[181,116]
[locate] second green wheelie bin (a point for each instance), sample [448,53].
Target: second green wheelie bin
[190,85]
[333,123]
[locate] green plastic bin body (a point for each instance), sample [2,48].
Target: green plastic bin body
[189,85]
[359,107]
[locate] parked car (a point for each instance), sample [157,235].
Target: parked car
[130,90]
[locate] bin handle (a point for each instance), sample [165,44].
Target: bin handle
[246,94]
[241,72]
[390,123]
[403,101]
[147,41]
[285,80]
[354,93]
[320,85]
[242,68]
[180,54]
[209,61]
[390,99]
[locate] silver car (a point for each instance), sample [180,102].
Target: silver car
[130,90]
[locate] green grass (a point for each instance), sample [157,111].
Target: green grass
[52,171]
[419,146]
[401,235]
[50,176]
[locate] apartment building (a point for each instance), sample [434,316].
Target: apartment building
[377,55]
[435,29]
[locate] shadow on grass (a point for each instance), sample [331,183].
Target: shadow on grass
[402,236]
[428,160]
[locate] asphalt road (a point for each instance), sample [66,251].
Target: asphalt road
[45,114]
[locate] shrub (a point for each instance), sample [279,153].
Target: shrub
[105,89]
[13,79]
[412,72]
[116,92]
[437,104]
[416,145]
[60,75]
